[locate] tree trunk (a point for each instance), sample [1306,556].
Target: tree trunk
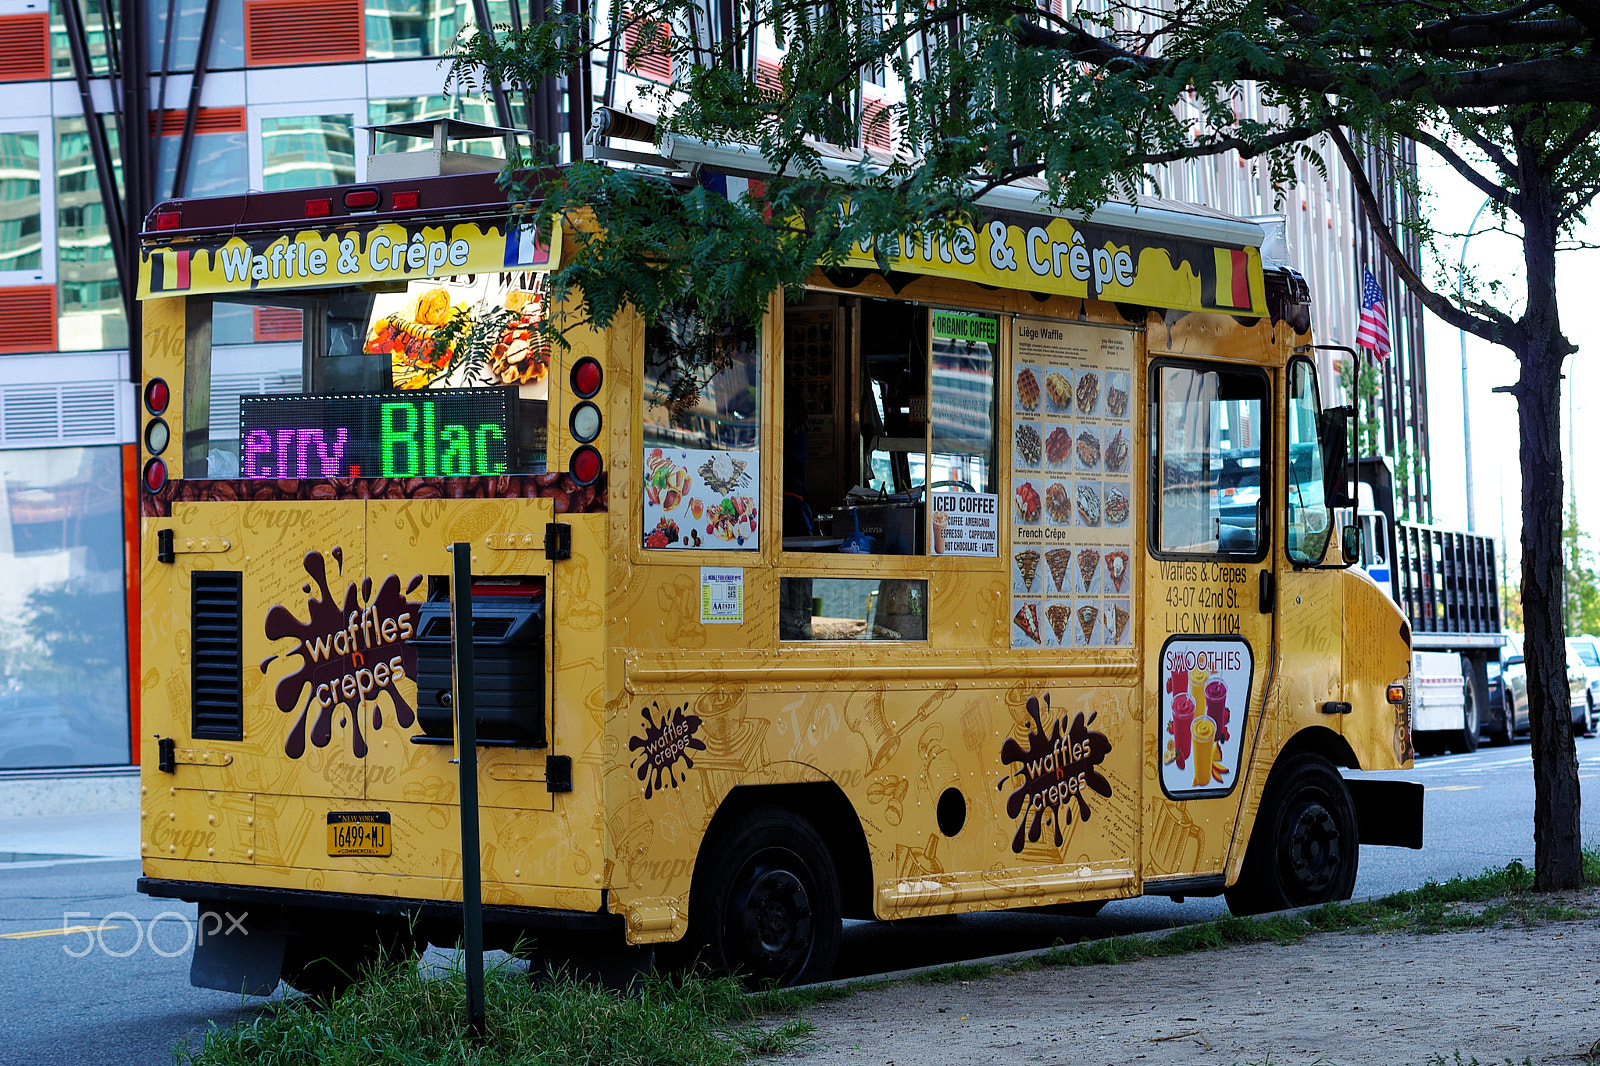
[1557,833]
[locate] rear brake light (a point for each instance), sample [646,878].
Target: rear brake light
[1397,693]
[586,376]
[168,219]
[321,208]
[155,475]
[406,201]
[361,199]
[156,396]
[585,465]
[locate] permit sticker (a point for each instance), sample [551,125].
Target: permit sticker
[721,595]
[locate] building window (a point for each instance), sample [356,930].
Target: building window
[298,153]
[219,160]
[21,214]
[63,663]
[414,29]
[180,48]
[90,301]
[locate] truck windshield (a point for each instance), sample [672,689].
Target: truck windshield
[1309,520]
[437,378]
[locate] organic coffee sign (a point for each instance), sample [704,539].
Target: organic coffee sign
[351,650]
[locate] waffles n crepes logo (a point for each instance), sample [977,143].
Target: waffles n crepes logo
[351,651]
[664,741]
[1054,771]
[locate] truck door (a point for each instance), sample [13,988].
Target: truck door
[1208,609]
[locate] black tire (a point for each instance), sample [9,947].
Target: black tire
[1305,847]
[1466,741]
[1505,728]
[767,904]
[322,962]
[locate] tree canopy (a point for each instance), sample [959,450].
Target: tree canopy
[1086,100]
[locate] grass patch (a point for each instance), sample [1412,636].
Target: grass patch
[406,1017]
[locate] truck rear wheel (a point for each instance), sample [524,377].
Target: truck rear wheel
[768,907]
[1466,741]
[1304,848]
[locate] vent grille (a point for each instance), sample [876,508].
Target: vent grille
[655,64]
[875,125]
[206,120]
[24,47]
[278,323]
[286,32]
[28,319]
[216,624]
[80,413]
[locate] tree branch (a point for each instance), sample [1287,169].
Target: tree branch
[1494,327]
[1489,188]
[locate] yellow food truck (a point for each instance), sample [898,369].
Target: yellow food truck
[1012,576]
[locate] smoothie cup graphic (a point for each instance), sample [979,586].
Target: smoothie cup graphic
[1182,718]
[1205,749]
[1197,682]
[1217,707]
[1179,681]
[939,520]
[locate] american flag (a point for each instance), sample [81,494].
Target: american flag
[1373,332]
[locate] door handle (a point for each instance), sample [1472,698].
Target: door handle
[1268,592]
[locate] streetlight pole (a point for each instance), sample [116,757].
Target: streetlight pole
[1466,396]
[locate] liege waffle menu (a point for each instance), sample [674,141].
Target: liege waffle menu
[1071,498]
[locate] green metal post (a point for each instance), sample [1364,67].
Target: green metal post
[464,702]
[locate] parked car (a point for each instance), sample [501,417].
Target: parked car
[1588,651]
[1515,677]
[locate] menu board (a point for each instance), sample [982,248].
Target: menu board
[1071,499]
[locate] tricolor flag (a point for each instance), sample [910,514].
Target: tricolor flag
[524,248]
[1233,279]
[732,188]
[1373,332]
[169,271]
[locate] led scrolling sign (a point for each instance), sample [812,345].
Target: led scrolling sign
[437,433]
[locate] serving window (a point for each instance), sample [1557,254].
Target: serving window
[435,378]
[1206,454]
[889,415]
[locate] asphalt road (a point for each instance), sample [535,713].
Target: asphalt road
[124,1003]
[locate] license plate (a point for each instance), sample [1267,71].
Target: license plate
[358,833]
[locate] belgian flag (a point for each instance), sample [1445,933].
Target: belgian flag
[169,271]
[1233,279]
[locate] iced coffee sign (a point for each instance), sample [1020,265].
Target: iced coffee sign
[1205,688]
[964,523]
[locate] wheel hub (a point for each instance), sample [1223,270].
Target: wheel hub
[1314,850]
[774,924]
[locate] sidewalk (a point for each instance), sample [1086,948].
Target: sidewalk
[54,837]
[1498,994]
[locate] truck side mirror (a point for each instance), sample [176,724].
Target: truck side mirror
[1350,544]
[1335,433]
[1515,660]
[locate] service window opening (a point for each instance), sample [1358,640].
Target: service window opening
[887,405]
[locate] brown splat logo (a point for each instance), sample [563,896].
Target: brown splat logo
[665,742]
[1056,769]
[350,653]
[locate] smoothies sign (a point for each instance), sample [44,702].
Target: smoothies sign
[1205,690]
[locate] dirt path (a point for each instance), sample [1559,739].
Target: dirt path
[1332,999]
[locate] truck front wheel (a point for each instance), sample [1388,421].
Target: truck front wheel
[1304,848]
[769,907]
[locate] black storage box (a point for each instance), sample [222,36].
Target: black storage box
[508,674]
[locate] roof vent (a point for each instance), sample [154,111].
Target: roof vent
[1275,243]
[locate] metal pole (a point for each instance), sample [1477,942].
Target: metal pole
[464,702]
[1466,397]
